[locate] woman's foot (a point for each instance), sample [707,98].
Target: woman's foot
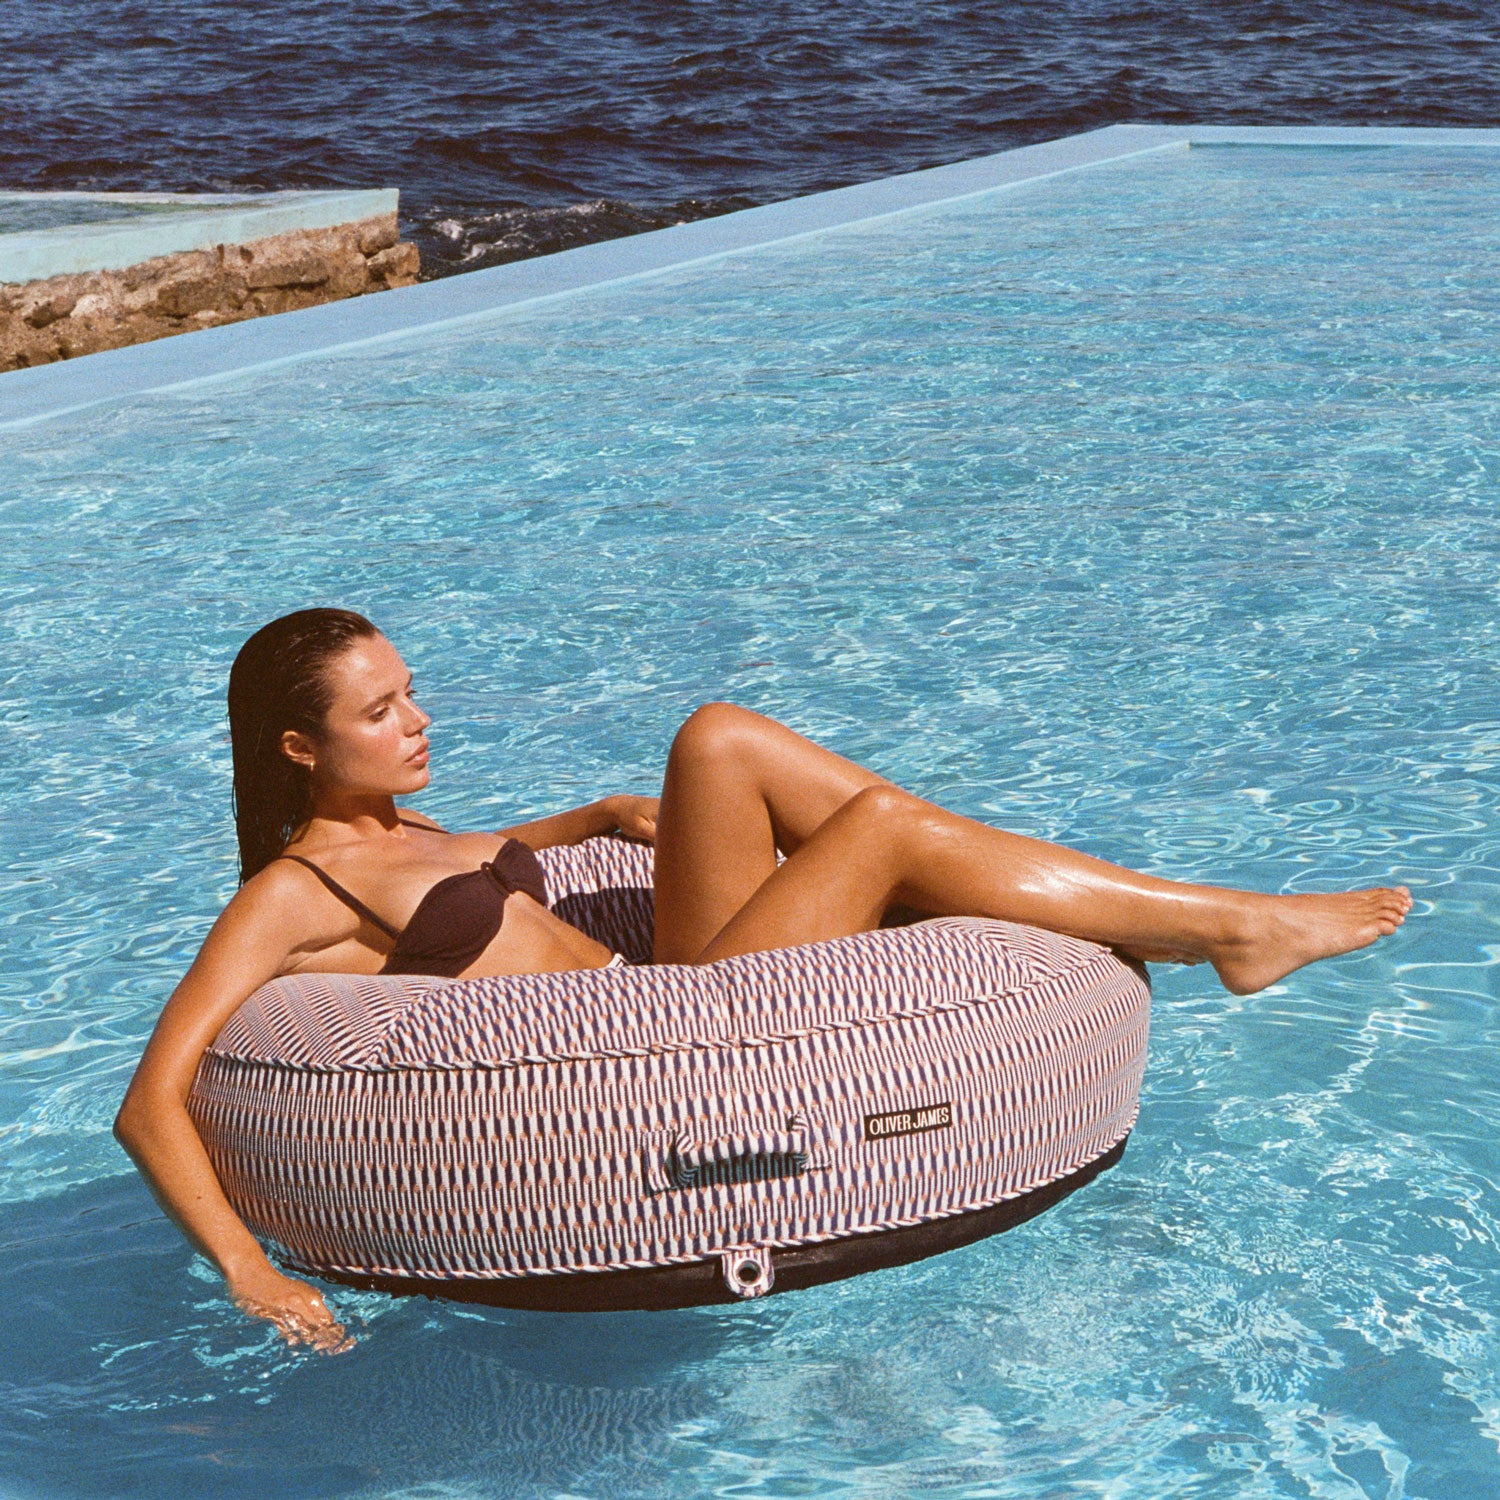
[1275,935]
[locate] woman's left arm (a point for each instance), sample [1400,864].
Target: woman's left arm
[635,816]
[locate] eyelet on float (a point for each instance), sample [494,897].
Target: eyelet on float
[747,1270]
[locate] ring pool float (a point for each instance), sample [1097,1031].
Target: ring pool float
[671,1135]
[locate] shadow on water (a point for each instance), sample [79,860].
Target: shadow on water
[162,1387]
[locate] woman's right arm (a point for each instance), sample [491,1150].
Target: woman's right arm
[248,945]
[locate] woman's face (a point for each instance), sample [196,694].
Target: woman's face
[372,739]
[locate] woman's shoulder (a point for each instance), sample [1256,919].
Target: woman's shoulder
[284,918]
[276,896]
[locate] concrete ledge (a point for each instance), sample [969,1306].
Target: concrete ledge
[35,395]
[156,224]
[1344,135]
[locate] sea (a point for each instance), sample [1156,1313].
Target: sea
[519,129]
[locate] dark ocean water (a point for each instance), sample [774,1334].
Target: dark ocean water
[515,129]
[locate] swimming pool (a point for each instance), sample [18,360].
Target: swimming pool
[1150,508]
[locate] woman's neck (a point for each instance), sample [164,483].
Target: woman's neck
[361,815]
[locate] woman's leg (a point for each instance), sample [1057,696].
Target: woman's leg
[738,787]
[884,845]
[857,845]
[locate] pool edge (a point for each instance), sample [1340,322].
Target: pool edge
[49,391]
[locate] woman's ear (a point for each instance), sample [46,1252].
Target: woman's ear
[297,747]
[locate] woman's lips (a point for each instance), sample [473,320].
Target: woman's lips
[419,758]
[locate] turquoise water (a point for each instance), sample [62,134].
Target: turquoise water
[1150,509]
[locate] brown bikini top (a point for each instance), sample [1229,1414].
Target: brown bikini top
[457,919]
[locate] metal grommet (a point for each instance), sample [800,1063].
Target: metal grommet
[747,1270]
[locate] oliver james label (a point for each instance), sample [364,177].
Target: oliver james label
[908,1121]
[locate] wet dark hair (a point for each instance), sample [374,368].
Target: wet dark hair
[279,681]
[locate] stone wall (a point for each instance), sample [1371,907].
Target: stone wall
[42,321]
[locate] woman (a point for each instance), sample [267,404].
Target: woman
[326,733]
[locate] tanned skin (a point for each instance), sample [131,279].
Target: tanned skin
[739,787]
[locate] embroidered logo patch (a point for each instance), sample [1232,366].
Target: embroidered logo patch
[908,1121]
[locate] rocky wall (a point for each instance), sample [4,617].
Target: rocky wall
[42,321]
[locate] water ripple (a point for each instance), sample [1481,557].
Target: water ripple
[1117,524]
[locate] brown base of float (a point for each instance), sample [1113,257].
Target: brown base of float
[701,1283]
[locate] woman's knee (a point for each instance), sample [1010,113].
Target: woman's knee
[882,806]
[884,800]
[715,731]
[888,831]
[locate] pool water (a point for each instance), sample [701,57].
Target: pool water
[1151,509]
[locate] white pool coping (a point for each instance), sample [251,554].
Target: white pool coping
[187,221]
[54,390]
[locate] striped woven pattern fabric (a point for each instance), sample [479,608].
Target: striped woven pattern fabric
[604,887]
[318,1020]
[631,1117]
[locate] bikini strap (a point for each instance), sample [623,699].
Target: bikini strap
[351,901]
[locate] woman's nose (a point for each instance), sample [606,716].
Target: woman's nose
[416,719]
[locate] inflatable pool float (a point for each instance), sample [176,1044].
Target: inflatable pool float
[667,1135]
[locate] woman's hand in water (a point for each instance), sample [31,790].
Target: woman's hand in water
[635,816]
[298,1310]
